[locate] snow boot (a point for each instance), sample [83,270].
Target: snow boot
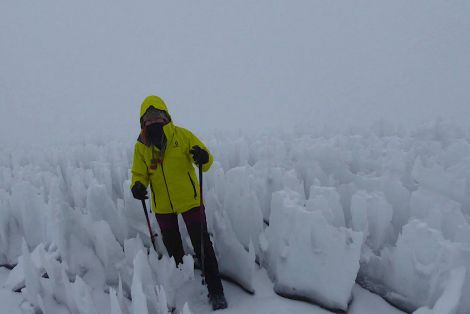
[218,301]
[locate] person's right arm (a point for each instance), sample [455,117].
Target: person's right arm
[139,168]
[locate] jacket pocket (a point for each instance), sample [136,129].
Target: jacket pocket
[194,186]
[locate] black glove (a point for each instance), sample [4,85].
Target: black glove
[200,156]
[139,191]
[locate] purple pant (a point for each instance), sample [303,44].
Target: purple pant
[197,229]
[170,221]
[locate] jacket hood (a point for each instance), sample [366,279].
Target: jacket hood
[153,101]
[157,103]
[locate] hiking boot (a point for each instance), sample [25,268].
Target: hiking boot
[218,301]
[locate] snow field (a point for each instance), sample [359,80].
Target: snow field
[318,211]
[397,188]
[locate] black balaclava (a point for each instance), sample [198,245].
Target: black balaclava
[154,120]
[156,135]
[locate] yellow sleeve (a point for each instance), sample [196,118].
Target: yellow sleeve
[193,141]
[139,168]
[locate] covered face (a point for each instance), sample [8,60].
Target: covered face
[153,110]
[153,115]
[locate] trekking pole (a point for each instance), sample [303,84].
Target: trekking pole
[203,224]
[152,236]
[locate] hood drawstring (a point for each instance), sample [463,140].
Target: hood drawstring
[155,161]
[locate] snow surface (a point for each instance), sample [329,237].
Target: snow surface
[304,214]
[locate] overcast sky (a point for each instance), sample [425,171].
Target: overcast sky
[71,68]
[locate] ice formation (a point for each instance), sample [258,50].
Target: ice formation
[316,210]
[307,257]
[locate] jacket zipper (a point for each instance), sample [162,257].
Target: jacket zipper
[153,196]
[167,190]
[192,183]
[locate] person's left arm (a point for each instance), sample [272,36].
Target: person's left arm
[194,141]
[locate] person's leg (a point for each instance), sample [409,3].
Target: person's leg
[171,235]
[197,227]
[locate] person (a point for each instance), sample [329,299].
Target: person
[164,155]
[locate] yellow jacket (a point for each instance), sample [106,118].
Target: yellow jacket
[173,182]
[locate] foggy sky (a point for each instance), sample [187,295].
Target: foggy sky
[77,68]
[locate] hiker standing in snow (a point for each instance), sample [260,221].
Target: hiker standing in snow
[163,159]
